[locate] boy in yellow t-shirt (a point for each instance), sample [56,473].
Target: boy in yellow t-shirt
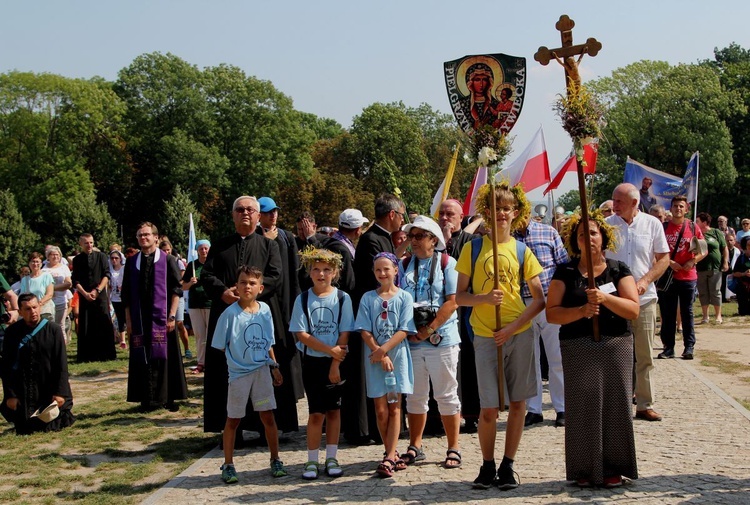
[475,289]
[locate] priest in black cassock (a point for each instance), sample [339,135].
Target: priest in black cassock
[219,278]
[357,411]
[34,370]
[90,276]
[151,289]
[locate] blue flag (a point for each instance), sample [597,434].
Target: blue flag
[689,186]
[656,187]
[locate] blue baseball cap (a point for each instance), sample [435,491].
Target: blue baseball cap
[267,204]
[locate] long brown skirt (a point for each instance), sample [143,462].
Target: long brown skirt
[599,439]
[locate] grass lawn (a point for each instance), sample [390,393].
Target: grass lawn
[113,453]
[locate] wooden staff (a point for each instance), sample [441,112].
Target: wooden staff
[565,56]
[496,284]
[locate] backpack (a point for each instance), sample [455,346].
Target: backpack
[305,296]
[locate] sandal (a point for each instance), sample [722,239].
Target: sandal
[385,468]
[197,370]
[452,455]
[310,470]
[413,454]
[333,469]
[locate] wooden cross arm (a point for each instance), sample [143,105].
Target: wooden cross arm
[591,47]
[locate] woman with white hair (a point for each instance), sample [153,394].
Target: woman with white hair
[61,275]
[430,277]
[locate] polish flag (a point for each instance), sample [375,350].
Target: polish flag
[531,168]
[470,204]
[590,153]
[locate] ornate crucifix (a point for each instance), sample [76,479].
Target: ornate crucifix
[566,56]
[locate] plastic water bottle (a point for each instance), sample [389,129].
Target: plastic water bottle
[391,394]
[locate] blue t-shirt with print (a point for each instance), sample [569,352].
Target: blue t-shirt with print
[324,317]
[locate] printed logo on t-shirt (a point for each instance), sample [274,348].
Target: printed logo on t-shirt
[256,342]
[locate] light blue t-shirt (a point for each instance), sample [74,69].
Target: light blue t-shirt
[245,338]
[324,317]
[36,285]
[383,318]
[443,284]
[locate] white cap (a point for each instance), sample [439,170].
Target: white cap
[352,219]
[428,224]
[48,414]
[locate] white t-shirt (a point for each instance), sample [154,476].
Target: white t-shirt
[59,274]
[637,246]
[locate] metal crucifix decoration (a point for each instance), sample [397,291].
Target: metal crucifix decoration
[566,56]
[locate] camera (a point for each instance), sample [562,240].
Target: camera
[423,316]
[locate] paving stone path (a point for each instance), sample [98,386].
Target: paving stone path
[699,454]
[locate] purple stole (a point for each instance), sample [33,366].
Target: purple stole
[158,311]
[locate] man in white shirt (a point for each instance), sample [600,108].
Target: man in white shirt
[642,246]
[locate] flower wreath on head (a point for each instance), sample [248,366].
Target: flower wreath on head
[605,228]
[522,203]
[310,255]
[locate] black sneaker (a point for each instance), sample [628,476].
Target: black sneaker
[688,353]
[485,479]
[506,479]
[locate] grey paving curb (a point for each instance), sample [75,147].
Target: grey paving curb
[160,495]
[716,389]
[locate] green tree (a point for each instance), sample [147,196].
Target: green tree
[49,128]
[659,115]
[570,200]
[17,240]
[175,222]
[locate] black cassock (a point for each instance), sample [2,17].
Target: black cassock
[220,273]
[154,382]
[40,374]
[96,334]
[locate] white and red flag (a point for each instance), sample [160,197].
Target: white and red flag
[480,178]
[531,168]
[590,153]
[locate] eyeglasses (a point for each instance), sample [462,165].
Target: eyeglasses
[402,214]
[242,210]
[147,234]
[384,314]
[505,210]
[417,236]
[114,257]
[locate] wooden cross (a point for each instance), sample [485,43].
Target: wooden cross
[565,55]
[573,82]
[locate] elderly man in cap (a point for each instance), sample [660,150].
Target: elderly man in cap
[344,242]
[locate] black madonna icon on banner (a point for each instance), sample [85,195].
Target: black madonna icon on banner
[486,90]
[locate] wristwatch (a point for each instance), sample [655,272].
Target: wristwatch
[172,318]
[273,365]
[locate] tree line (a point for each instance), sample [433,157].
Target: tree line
[167,139]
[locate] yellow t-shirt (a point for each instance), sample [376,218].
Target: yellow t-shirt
[483,316]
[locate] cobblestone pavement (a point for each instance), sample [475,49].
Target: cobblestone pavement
[699,453]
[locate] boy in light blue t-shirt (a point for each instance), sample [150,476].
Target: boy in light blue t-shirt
[245,333]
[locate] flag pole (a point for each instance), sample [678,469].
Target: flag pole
[697,173]
[496,285]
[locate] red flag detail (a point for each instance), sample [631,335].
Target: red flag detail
[590,153]
[480,178]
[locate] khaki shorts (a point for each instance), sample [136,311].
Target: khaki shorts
[258,386]
[518,362]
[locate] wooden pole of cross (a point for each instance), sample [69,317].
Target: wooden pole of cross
[566,55]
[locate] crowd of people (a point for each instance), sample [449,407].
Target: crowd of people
[433,324]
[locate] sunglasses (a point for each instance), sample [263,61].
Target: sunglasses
[242,210]
[384,314]
[417,236]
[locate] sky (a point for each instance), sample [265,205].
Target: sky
[336,57]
